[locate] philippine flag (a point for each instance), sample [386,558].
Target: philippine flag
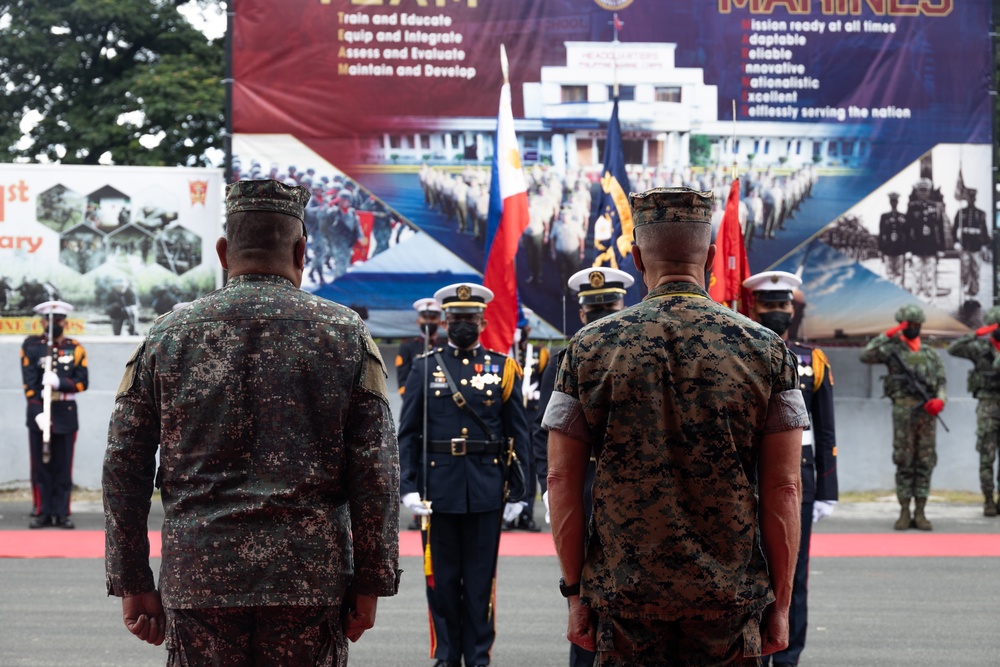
[508,218]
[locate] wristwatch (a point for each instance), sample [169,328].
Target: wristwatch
[568,590]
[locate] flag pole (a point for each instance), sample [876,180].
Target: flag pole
[735,173]
[504,65]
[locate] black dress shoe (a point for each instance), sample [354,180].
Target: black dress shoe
[65,523]
[40,521]
[529,525]
[445,663]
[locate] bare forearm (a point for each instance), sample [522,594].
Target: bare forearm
[780,526]
[567,472]
[781,509]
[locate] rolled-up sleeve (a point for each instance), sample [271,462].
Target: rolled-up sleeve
[786,411]
[564,414]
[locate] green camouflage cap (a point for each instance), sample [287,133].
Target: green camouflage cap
[910,313]
[671,205]
[992,316]
[266,195]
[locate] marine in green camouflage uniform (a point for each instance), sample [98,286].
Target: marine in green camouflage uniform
[914,426]
[679,399]
[278,466]
[982,348]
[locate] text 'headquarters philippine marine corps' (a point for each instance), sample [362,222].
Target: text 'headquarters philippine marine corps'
[278,466]
[675,397]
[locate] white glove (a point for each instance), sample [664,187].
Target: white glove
[513,510]
[50,379]
[414,504]
[545,499]
[822,509]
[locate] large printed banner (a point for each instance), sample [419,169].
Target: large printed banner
[123,245]
[861,134]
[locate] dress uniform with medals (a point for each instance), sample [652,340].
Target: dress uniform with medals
[772,291]
[52,475]
[601,292]
[474,415]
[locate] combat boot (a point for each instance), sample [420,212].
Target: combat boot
[990,506]
[919,520]
[903,522]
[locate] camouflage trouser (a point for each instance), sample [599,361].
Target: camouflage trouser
[914,441]
[237,636]
[987,437]
[733,642]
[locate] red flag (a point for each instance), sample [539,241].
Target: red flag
[359,252]
[731,266]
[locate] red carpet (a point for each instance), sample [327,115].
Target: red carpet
[90,544]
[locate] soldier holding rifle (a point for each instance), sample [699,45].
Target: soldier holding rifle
[466,469]
[982,348]
[916,385]
[54,371]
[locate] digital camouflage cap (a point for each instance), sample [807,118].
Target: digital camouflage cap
[992,316]
[266,195]
[671,205]
[910,313]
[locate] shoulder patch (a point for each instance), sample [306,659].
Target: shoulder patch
[128,378]
[374,374]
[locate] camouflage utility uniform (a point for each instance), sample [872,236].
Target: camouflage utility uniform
[278,470]
[914,431]
[984,384]
[675,396]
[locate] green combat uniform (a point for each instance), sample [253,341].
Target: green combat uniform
[914,430]
[674,396]
[984,384]
[277,467]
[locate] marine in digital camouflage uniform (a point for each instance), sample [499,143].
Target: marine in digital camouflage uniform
[694,415]
[982,348]
[278,465]
[914,426]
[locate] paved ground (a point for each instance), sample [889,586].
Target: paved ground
[888,612]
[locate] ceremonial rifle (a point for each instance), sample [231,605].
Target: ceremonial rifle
[915,383]
[44,420]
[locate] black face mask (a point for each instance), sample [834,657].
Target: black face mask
[429,329]
[57,331]
[776,320]
[911,331]
[596,314]
[463,334]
